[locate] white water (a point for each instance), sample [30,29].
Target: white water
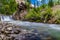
[6,18]
[29,24]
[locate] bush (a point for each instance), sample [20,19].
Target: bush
[8,6]
[57,16]
[33,14]
[39,14]
[46,14]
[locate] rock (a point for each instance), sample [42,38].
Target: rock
[32,36]
[21,12]
[2,36]
[28,36]
[9,28]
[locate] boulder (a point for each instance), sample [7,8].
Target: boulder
[21,12]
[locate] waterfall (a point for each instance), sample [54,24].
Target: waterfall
[6,18]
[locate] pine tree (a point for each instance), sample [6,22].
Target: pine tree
[50,3]
[43,1]
[58,1]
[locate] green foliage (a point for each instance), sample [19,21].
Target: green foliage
[58,2]
[43,1]
[27,2]
[46,14]
[57,16]
[39,14]
[33,14]
[50,3]
[44,6]
[8,6]
[30,14]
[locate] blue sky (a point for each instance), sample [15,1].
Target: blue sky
[38,2]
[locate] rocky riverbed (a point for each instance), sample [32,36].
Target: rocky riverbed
[9,31]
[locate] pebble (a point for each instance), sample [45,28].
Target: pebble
[9,28]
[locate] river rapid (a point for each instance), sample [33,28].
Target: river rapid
[54,29]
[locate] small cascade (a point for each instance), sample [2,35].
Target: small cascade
[6,18]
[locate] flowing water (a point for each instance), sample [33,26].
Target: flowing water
[6,18]
[9,19]
[54,29]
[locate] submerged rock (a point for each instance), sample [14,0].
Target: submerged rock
[33,36]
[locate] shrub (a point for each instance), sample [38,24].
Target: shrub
[39,14]
[46,14]
[57,16]
[8,6]
[33,14]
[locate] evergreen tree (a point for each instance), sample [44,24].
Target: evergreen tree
[43,1]
[50,3]
[58,1]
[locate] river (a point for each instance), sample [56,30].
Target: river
[54,29]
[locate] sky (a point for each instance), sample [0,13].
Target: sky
[35,2]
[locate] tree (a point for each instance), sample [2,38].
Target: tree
[58,1]
[50,3]
[8,6]
[43,1]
